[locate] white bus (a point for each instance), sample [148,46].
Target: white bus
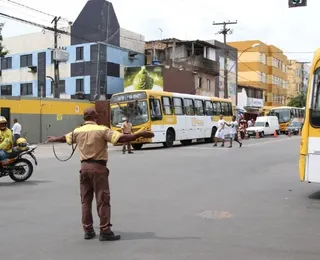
[171,116]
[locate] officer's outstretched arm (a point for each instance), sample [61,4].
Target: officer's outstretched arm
[132,137]
[114,137]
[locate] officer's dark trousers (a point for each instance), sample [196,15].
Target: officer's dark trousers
[94,180]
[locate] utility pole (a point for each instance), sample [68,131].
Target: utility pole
[225,31]
[303,89]
[56,93]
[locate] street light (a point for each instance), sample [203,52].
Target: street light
[251,47]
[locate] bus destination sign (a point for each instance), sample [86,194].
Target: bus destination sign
[128,97]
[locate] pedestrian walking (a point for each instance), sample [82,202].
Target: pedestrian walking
[92,140]
[16,131]
[126,129]
[220,131]
[234,131]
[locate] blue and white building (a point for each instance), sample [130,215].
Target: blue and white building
[28,68]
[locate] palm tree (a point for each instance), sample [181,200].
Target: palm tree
[3,52]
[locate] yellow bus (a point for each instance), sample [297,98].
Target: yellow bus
[286,115]
[309,164]
[171,116]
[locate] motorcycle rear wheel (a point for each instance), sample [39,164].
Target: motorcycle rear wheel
[26,175]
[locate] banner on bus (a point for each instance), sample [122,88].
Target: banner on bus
[143,78]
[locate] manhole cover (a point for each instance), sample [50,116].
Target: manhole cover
[210,214]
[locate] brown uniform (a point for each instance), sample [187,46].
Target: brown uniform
[126,129]
[92,140]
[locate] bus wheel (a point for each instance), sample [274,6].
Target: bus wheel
[137,146]
[186,142]
[169,138]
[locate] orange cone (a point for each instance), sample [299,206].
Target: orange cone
[275,134]
[257,135]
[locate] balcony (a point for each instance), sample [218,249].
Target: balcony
[199,63]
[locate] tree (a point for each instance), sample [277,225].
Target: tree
[298,101]
[3,52]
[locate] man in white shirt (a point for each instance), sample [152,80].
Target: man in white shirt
[16,130]
[234,131]
[220,131]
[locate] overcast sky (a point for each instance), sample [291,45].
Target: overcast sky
[294,30]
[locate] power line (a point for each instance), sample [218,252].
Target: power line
[35,10]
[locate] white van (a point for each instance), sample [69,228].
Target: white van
[264,125]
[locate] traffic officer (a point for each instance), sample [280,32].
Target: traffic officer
[92,140]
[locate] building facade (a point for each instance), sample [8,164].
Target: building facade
[97,57]
[201,57]
[298,75]
[262,75]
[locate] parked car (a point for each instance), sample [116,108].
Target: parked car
[294,128]
[264,125]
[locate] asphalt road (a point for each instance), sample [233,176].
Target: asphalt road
[195,202]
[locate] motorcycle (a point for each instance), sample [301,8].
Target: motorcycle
[19,168]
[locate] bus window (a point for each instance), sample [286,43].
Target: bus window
[155,109]
[217,108]
[209,108]
[166,103]
[224,107]
[230,109]
[315,104]
[198,105]
[178,106]
[188,107]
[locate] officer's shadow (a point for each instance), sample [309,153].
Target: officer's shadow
[149,235]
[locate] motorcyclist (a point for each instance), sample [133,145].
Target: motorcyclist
[6,142]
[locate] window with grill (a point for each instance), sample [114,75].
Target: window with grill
[26,60]
[6,90]
[79,85]
[188,106]
[26,89]
[62,86]
[166,103]
[79,53]
[6,63]
[178,106]
[198,105]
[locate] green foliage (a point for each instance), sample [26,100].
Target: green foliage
[3,52]
[298,101]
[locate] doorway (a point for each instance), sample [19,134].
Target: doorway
[5,111]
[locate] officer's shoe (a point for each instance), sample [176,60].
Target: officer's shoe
[89,235]
[108,236]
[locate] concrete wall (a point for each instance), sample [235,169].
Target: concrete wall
[42,117]
[36,127]
[132,41]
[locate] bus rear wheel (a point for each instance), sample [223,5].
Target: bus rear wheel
[170,137]
[137,146]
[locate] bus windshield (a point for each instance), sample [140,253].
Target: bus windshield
[141,117]
[283,115]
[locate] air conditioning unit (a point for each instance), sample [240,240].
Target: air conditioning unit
[33,69]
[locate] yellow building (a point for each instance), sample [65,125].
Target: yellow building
[295,78]
[262,69]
